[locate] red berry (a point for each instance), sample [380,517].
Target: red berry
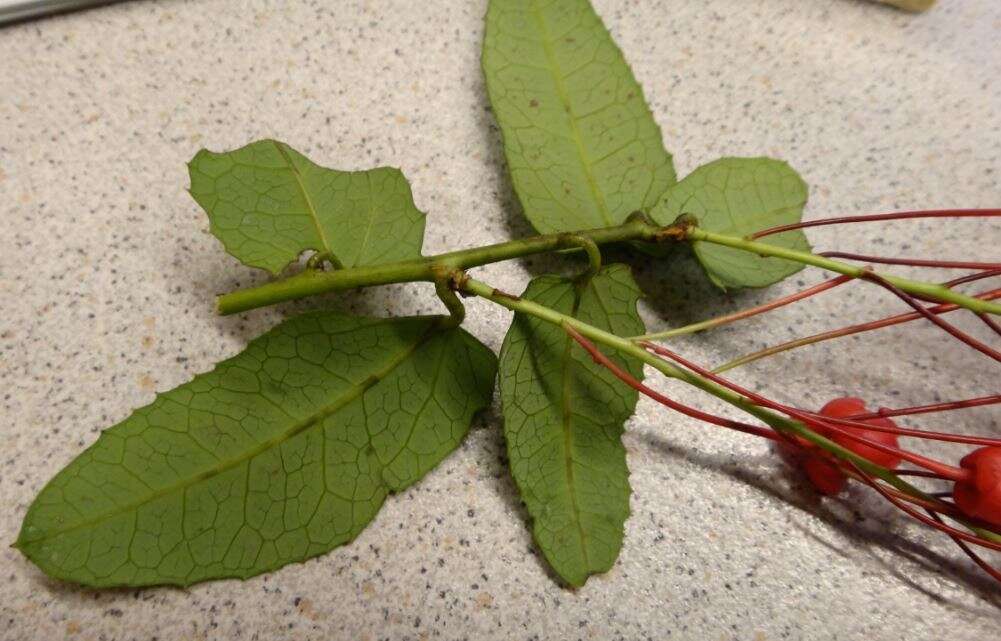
[849,406]
[980,496]
[825,476]
[822,471]
[844,406]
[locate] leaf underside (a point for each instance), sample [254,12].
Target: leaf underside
[581,145]
[563,421]
[279,454]
[268,203]
[737,197]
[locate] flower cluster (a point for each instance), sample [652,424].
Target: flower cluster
[844,440]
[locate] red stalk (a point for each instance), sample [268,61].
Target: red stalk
[950,329]
[934,504]
[889,321]
[976,558]
[914,262]
[989,322]
[631,381]
[946,471]
[969,278]
[938,525]
[779,302]
[900,215]
[922,473]
[928,409]
[904,431]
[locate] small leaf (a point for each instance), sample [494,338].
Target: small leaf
[563,421]
[268,203]
[581,145]
[737,197]
[279,454]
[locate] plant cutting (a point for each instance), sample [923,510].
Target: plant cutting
[289,449]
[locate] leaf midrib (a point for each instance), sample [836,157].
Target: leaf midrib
[371,218]
[568,432]
[349,395]
[311,208]
[564,96]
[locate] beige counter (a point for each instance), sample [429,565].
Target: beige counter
[107,277]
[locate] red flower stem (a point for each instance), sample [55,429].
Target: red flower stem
[914,262]
[924,501]
[627,378]
[932,504]
[976,558]
[969,278]
[847,331]
[990,323]
[852,421]
[884,412]
[900,215]
[950,329]
[752,311]
[938,525]
[921,473]
[947,471]
[631,381]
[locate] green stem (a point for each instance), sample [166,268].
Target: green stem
[456,310]
[312,282]
[913,287]
[629,348]
[636,228]
[593,254]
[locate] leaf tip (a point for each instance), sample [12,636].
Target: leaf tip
[197,157]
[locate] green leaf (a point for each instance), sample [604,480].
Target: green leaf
[737,197]
[581,145]
[268,203]
[279,454]
[563,421]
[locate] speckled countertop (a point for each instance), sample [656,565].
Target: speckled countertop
[107,277]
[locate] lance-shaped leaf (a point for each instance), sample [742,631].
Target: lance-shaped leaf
[737,197]
[279,454]
[582,148]
[268,203]
[563,421]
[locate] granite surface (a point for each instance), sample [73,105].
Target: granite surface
[107,278]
